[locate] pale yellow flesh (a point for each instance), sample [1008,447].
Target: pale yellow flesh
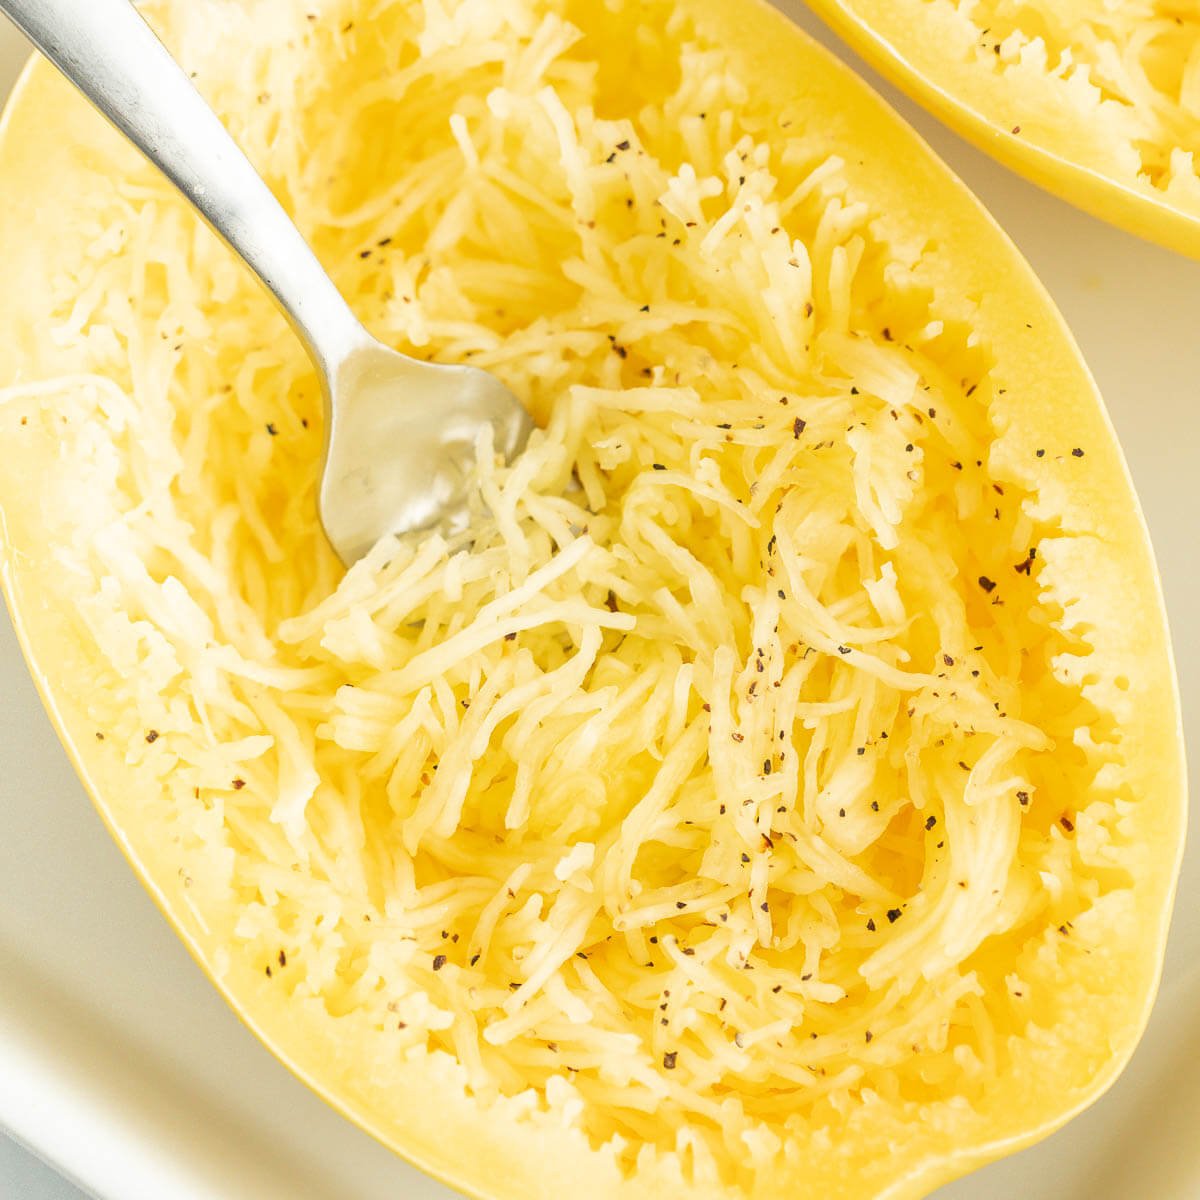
[1032,126]
[1054,401]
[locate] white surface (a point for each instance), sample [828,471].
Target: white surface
[121,1065]
[23,1175]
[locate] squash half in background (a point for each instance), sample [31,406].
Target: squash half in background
[1098,103]
[782,793]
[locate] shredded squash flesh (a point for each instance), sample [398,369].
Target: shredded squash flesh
[736,771]
[1132,66]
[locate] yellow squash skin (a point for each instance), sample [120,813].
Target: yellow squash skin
[47,155]
[1037,132]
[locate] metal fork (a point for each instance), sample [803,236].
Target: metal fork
[399,433]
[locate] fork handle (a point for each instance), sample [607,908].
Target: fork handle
[111,55]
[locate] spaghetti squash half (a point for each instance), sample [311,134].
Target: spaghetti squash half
[779,790]
[1097,102]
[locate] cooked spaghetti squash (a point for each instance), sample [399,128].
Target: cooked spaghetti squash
[778,790]
[1099,102]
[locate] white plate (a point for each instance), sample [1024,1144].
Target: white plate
[122,1067]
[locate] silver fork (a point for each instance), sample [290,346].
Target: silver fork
[399,433]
